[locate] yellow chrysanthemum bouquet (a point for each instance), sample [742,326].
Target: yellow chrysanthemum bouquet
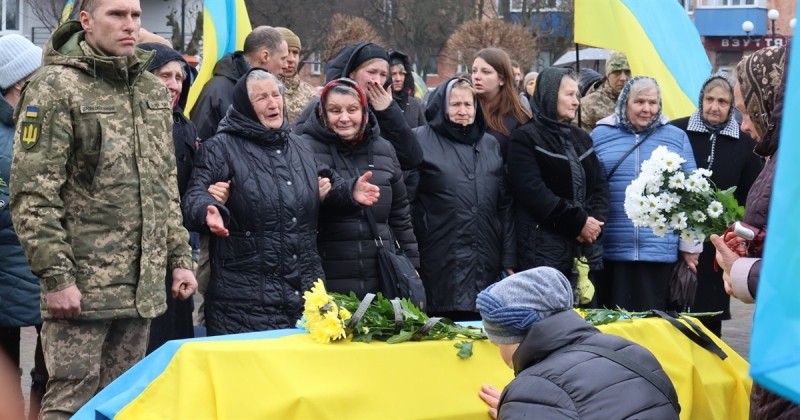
[331,317]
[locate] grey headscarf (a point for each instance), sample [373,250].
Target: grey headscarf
[698,124]
[622,108]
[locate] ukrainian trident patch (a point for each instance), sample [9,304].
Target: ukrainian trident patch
[30,134]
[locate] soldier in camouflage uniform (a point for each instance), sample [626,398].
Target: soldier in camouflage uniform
[600,103]
[95,203]
[298,93]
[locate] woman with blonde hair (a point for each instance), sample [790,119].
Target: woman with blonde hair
[493,78]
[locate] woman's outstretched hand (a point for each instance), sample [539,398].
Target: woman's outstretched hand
[365,193]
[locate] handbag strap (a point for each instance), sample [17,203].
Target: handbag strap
[631,365]
[693,332]
[635,146]
[354,169]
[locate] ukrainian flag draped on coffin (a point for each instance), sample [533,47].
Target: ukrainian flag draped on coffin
[659,39]
[225,26]
[775,343]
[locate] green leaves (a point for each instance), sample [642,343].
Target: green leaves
[466,349]
[378,323]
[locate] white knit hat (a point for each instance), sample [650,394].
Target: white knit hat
[18,59]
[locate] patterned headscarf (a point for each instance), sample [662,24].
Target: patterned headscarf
[323,116]
[622,107]
[760,77]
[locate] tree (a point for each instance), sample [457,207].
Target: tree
[346,30]
[193,47]
[419,28]
[549,21]
[49,11]
[475,35]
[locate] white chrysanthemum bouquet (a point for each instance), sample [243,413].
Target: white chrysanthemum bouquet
[664,197]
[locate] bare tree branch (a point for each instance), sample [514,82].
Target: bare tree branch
[49,11]
[476,34]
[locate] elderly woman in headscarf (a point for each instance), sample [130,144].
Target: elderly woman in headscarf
[176,74]
[560,193]
[263,250]
[637,263]
[344,134]
[759,92]
[463,216]
[720,147]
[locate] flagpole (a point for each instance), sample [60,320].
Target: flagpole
[578,70]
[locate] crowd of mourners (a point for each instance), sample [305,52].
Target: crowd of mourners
[102,177]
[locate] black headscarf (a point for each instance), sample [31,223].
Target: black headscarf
[241,100]
[164,55]
[436,115]
[544,103]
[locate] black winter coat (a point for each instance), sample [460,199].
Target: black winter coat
[259,272]
[346,243]
[547,217]
[734,165]
[177,322]
[462,213]
[391,120]
[511,123]
[215,98]
[577,384]
[413,108]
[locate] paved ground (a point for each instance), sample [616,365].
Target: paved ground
[736,333]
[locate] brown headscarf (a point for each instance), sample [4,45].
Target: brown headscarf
[760,77]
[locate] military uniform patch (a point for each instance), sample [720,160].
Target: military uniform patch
[32,112]
[30,134]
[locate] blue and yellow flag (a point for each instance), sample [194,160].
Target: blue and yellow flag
[67,11]
[659,39]
[775,342]
[225,26]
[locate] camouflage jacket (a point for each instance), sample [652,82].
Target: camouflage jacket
[596,106]
[94,195]
[297,97]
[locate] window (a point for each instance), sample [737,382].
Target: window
[515,6]
[461,68]
[688,5]
[733,3]
[316,66]
[10,15]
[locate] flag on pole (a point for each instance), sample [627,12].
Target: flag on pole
[225,26]
[659,39]
[66,12]
[775,342]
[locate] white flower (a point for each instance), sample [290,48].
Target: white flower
[679,221]
[675,198]
[672,162]
[693,181]
[703,172]
[701,237]
[653,203]
[714,209]
[687,236]
[703,185]
[699,216]
[660,229]
[655,219]
[677,181]
[667,202]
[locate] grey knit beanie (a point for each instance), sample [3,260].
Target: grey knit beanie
[18,59]
[509,308]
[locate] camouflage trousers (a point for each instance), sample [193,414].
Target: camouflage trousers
[84,356]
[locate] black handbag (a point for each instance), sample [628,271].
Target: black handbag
[398,277]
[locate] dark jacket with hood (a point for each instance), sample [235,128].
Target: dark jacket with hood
[462,213]
[177,322]
[578,384]
[557,183]
[260,271]
[346,243]
[728,153]
[215,98]
[413,108]
[391,120]
[19,288]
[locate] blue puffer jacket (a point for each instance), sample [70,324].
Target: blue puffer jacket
[19,288]
[621,241]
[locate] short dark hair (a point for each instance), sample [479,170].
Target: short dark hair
[262,37]
[514,64]
[88,6]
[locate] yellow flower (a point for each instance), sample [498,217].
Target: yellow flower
[317,297]
[332,326]
[319,335]
[312,316]
[365,330]
[344,314]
